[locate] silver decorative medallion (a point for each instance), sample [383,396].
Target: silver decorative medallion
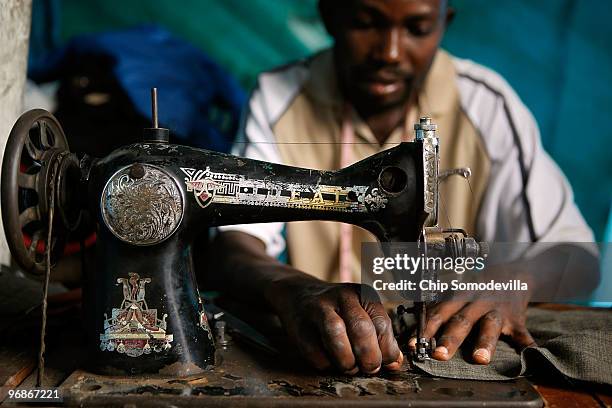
[142,204]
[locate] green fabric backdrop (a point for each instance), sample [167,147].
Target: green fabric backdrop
[557,54]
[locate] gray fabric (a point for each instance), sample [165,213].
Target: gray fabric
[576,344]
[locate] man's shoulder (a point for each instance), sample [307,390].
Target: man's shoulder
[472,77]
[494,108]
[278,88]
[293,74]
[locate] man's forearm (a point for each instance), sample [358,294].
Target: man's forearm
[331,324]
[241,267]
[564,272]
[561,272]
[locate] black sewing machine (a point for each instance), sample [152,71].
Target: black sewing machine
[151,199]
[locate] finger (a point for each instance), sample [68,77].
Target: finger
[309,344]
[396,365]
[332,330]
[362,334]
[457,329]
[387,344]
[412,340]
[490,329]
[522,338]
[439,314]
[412,344]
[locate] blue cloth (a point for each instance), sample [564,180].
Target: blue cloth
[197,100]
[557,55]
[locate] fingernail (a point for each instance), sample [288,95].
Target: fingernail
[352,371]
[377,369]
[412,342]
[393,366]
[441,353]
[483,355]
[397,364]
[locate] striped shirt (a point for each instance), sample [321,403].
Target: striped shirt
[516,193]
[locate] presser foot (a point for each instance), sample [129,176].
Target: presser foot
[424,348]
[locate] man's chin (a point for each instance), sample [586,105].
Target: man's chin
[375,102]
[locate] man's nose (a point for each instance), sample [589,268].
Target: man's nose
[389,49]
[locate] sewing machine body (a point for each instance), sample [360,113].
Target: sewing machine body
[153,199]
[150,200]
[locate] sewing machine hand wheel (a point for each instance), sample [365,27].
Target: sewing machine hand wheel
[36,162]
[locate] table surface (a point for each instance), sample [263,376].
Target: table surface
[246,377]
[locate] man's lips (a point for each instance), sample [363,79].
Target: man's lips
[385,78]
[384,85]
[379,88]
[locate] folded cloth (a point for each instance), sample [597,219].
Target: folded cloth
[576,344]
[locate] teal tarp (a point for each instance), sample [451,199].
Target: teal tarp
[557,54]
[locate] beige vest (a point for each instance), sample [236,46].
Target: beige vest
[315,115]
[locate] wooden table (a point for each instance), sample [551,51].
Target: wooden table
[245,377]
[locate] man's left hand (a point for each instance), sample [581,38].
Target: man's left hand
[456,319]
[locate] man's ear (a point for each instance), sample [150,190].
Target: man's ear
[450,15]
[328,11]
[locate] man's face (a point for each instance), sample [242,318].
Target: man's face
[384,48]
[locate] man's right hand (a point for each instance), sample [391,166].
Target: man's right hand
[342,326]
[334,325]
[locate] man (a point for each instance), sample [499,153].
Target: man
[384,71]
